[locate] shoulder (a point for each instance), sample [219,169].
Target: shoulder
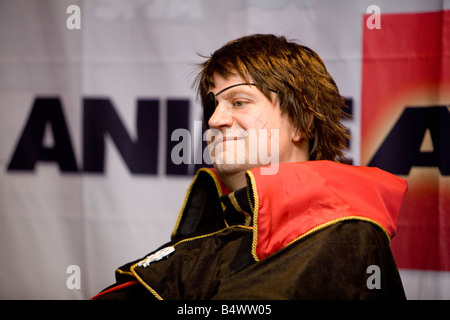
[348,239]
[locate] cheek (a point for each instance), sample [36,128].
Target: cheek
[254,120]
[264,116]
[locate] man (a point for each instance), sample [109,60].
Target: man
[310,228]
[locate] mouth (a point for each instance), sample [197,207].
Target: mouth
[230,139]
[223,139]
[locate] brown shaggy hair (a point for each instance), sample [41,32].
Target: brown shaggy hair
[305,89]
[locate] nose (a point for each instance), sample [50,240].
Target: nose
[221,117]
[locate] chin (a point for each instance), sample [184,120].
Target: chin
[232,169]
[230,164]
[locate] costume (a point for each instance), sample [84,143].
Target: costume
[314,230]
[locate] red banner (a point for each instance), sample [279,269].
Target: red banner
[405,127]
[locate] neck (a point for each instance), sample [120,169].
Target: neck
[233,181]
[234,177]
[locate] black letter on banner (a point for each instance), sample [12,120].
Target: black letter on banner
[177,118]
[100,118]
[31,149]
[401,149]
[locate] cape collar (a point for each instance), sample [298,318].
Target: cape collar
[299,199]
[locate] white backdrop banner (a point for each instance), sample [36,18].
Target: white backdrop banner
[91,93]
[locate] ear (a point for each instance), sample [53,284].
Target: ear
[297,134]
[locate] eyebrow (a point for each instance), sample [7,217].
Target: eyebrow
[235,85]
[232,93]
[239,84]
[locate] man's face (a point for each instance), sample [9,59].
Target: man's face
[247,130]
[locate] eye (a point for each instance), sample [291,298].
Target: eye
[209,107]
[239,103]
